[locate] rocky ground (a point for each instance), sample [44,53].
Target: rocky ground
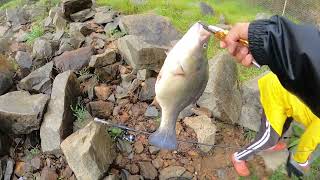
[96,62]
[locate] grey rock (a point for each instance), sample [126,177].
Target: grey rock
[260,16]
[250,117]
[89,152]
[204,128]
[64,47]
[206,9]
[121,92]
[39,80]
[147,170]
[222,95]
[34,11]
[4,45]
[21,36]
[6,81]
[20,112]
[57,122]
[42,49]
[111,26]
[104,59]
[154,150]
[112,98]
[47,23]
[151,112]
[274,160]
[83,28]
[104,17]
[36,163]
[124,146]
[98,44]
[72,6]
[58,35]
[9,169]
[59,22]
[82,16]
[173,172]
[153,29]
[3,30]
[24,59]
[16,16]
[148,90]
[73,60]
[143,74]
[48,173]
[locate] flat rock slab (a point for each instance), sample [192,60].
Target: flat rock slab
[39,80]
[204,128]
[73,60]
[89,152]
[20,112]
[104,59]
[58,120]
[174,172]
[274,160]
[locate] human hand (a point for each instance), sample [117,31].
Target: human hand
[231,42]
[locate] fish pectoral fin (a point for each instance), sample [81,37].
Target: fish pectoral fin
[179,71]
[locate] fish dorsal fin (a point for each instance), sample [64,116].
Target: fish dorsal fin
[179,70]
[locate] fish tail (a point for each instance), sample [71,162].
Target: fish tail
[164,138]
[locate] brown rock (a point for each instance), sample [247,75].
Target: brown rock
[134,177]
[132,168]
[20,168]
[36,163]
[101,109]
[104,59]
[48,174]
[67,172]
[138,147]
[103,91]
[73,60]
[202,111]
[158,163]
[147,170]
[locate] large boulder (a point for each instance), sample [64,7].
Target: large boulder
[39,80]
[72,6]
[89,152]
[16,16]
[204,128]
[150,37]
[73,60]
[58,120]
[251,107]
[20,112]
[222,95]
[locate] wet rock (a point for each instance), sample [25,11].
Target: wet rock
[72,6]
[6,76]
[222,95]
[204,128]
[101,60]
[101,109]
[39,80]
[147,170]
[42,49]
[251,109]
[9,169]
[151,112]
[20,112]
[103,91]
[82,16]
[148,90]
[57,122]
[36,163]
[48,174]
[149,38]
[73,60]
[138,147]
[16,16]
[274,160]
[206,9]
[104,17]
[84,147]
[153,149]
[173,172]
[23,59]
[59,22]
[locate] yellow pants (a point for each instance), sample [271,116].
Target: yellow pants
[279,104]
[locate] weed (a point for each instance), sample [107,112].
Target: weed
[36,32]
[79,111]
[32,152]
[115,132]
[84,72]
[249,135]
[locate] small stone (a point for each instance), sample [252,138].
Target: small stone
[148,90]
[42,49]
[103,91]
[101,109]
[158,163]
[133,168]
[59,22]
[154,150]
[112,98]
[124,146]
[143,74]
[22,36]
[105,17]
[67,172]
[24,59]
[48,174]
[98,44]
[121,92]
[16,16]
[20,168]
[138,147]
[147,170]
[101,60]
[206,9]
[151,112]
[202,111]
[173,172]
[36,163]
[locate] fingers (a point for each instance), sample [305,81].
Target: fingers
[247,61]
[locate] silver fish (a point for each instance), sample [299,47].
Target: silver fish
[181,81]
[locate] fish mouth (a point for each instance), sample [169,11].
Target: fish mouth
[204,34]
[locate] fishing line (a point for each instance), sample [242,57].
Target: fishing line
[108,123]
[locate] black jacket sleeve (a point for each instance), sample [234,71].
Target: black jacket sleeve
[292,52]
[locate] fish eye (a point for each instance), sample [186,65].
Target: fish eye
[205,45]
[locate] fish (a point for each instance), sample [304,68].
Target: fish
[181,81]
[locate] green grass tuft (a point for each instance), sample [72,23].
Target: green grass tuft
[36,32]
[80,112]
